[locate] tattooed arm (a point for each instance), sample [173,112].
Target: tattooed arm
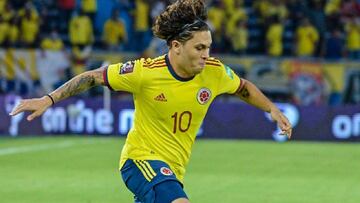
[79,84]
[249,93]
[252,95]
[74,86]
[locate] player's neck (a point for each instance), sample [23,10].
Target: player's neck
[177,66]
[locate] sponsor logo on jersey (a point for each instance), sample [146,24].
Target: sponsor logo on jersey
[160,97]
[166,171]
[127,67]
[203,95]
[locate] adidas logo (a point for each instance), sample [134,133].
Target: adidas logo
[161,97]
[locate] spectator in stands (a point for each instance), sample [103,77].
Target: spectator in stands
[216,17]
[8,13]
[306,39]
[80,30]
[50,16]
[262,8]
[350,8]
[352,28]
[4,30]
[239,38]
[277,7]
[238,13]
[89,7]
[141,16]
[29,26]
[332,7]
[13,35]
[52,42]
[81,39]
[2,5]
[274,37]
[334,45]
[296,10]
[67,8]
[114,32]
[316,15]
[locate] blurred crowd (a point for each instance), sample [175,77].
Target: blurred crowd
[327,29]
[320,28]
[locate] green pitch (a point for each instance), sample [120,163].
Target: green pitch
[84,169]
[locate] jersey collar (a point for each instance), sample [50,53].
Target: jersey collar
[171,69]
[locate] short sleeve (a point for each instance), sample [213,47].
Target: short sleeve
[124,76]
[229,81]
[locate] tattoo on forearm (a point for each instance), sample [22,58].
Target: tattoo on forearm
[245,93]
[74,86]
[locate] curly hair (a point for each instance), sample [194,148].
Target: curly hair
[180,20]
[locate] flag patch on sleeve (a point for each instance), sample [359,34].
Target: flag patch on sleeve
[229,72]
[127,67]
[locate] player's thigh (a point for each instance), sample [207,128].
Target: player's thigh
[169,191]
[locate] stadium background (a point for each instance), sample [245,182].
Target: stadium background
[304,55]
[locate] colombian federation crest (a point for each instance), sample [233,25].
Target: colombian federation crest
[166,171]
[203,95]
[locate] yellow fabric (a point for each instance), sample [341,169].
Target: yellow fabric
[239,39]
[279,10]
[263,7]
[53,45]
[274,39]
[13,33]
[352,36]
[29,30]
[307,36]
[34,14]
[34,74]
[216,16]
[89,6]
[332,6]
[80,30]
[2,5]
[4,30]
[114,32]
[167,112]
[335,74]
[239,14]
[9,64]
[229,6]
[142,16]
[7,15]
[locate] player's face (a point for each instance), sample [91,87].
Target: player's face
[195,51]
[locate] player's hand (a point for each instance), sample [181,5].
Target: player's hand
[37,106]
[282,122]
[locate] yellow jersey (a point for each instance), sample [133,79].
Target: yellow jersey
[274,39]
[307,37]
[169,109]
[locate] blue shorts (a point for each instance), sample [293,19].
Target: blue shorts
[151,181]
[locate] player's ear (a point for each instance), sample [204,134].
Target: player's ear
[176,46]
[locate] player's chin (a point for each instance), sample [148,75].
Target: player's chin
[198,69]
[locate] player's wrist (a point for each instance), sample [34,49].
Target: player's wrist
[49,100]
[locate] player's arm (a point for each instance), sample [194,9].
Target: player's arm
[76,85]
[249,93]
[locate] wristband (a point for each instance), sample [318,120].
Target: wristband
[52,100]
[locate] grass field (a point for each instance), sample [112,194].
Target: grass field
[84,169]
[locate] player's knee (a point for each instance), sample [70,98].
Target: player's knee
[181,200]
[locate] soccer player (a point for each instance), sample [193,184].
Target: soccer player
[172,94]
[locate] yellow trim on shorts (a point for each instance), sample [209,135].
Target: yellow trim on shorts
[145,169]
